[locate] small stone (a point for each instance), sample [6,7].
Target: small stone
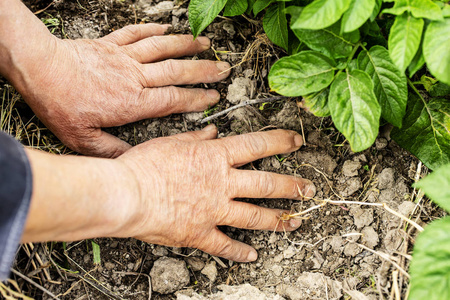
[193,116]
[351,249]
[406,208]
[370,237]
[381,143]
[386,179]
[362,217]
[114,244]
[160,251]
[195,263]
[238,90]
[159,10]
[210,271]
[289,252]
[86,258]
[229,28]
[272,238]
[109,265]
[169,275]
[278,258]
[351,168]
[277,270]
[352,185]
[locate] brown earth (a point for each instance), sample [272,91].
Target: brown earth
[336,252]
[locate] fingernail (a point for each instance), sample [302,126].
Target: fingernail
[294,223]
[213,94]
[204,41]
[309,189]
[223,66]
[210,127]
[298,140]
[252,256]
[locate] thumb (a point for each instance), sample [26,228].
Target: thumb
[101,144]
[207,133]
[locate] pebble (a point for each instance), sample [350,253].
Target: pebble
[386,179]
[169,275]
[381,143]
[160,251]
[352,185]
[351,168]
[369,237]
[210,271]
[195,263]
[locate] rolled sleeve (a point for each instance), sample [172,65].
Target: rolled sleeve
[15,195]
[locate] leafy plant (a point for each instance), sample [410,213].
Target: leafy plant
[430,267]
[350,59]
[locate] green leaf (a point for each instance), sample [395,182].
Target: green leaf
[357,14]
[96,253]
[235,8]
[250,6]
[354,108]
[321,14]
[419,9]
[376,10]
[417,63]
[426,131]
[430,266]
[294,11]
[275,25]
[437,186]
[317,103]
[389,83]
[404,40]
[329,41]
[202,13]
[439,89]
[436,45]
[301,74]
[446,11]
[260,5]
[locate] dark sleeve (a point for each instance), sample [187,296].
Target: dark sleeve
[15,195]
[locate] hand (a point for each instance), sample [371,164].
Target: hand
[188,183]
[84,85]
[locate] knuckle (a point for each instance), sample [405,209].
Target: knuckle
[255,219]
[170,70]
[132,30]
[266,185]
[256,147]
[226,249]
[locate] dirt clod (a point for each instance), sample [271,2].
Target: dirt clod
[169,275]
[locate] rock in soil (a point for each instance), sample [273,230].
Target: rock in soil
[169,275]
[210,271]
[350,168]
[386,179]
[228,292]
[312,286]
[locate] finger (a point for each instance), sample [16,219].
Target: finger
[246,148]
[179,72]
[99,143]
[133,33]
[158,102]
[219,244]
[207,133]
[169,46]
[249,216]
[258,184]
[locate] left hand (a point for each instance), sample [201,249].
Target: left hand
[126,76]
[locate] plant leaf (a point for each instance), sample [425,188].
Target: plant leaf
[437,186]
[404,39]
[376,10]
[260,5]
[354,108]
[235,8]
[329,41]
[436,45]
[419,9]
[357,14]
[202,13]
[417,62]
[430,266]
[317,103]
[321,14]
[96,253]
[301,74]
[426,131]
[275,25]
[389,83]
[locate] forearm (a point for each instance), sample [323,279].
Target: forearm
[76,198]
[24,41]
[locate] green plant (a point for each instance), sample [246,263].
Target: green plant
[430,267]
[349,59]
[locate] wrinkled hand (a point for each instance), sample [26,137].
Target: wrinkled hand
[126,76]
[188,183]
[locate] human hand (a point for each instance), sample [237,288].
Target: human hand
[121,78]
[188,182]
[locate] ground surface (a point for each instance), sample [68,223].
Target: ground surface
[336,252]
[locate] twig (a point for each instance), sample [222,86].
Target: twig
[242,104]
[139,274]
[38,286]
[395,285]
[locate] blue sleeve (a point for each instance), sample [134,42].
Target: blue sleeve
[15,195]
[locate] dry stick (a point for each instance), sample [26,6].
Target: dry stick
[38,286]
[395,285]
[242,104]
[139,274]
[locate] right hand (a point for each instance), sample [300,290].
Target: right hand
[187,184]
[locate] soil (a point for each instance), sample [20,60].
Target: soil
[333,255]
